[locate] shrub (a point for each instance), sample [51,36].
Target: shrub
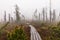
[17,34]
[55,33]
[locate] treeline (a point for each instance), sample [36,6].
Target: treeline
[17,18]
[45,16]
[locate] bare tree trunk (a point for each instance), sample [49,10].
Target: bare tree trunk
[50,16]
[46,17]
[39,16]
[5,16]
[12,19]
[35,14]
[17,14]
[54,16]
[43,15]
[9,17]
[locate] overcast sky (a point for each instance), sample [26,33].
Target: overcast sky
[27,7]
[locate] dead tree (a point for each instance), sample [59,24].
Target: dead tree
[9,17]
[12,19]
[50,16]
[54,15]
[59,16]
[46,15]
[23,17]
[39,16]
[35,14]
[43,11]
[4,16]
[17,14]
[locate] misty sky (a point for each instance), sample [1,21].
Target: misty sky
[27,7]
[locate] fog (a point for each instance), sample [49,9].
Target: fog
[27,7]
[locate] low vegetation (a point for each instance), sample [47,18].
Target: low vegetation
[17,34]
[48,31]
